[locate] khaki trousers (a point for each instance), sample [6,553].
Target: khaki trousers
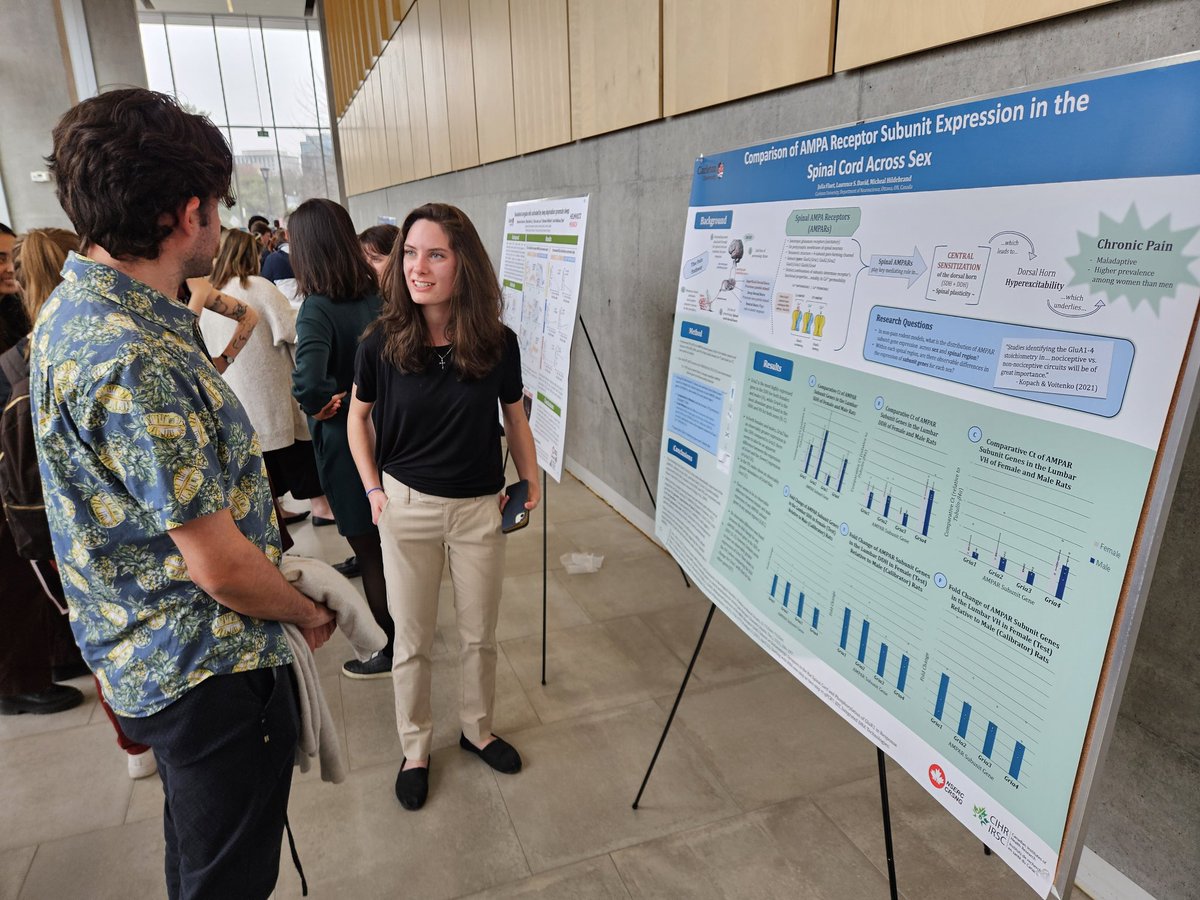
[418,531]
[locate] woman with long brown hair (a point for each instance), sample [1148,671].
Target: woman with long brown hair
[425,435]
[342,300]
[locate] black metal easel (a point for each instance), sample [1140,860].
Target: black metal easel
[883,789]
[620,421]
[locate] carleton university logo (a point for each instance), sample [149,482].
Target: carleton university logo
[937,776]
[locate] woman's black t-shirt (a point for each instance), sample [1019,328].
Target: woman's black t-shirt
[434,432]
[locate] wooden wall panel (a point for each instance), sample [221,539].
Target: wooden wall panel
[387,18]
[374,30]
[616,64]
[396,90]
[714,50]
[433,68]
[541,73]
[868,31]
[491,53]
[460,83]
[410,36]
[382,165]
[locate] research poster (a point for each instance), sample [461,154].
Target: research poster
[540,269]
[920,372]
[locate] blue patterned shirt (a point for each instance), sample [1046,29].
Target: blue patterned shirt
[136,434]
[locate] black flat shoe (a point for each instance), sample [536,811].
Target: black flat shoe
[412,787]
[321,522]
[56,698]
[348,567]
[293,518]
[499,754]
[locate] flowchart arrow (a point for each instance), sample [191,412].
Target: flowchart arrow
[1024,237]
[1091,312]
[909,268]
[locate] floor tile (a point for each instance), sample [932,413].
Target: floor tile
[110,864]
[25,725]
[631,586]
[592,879]
[14,864]
[609,535]
[727,654]
[356,841]
[146,800]
[371,719]
[570,500]
[771,739]
[593,667]
[936,857]
[523,552]
[53,785]
[572,800]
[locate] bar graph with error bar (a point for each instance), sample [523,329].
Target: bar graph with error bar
[1052,577]
[976,726]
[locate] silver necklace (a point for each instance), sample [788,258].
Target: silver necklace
[442,357]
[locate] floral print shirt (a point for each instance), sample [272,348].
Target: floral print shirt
[136,434]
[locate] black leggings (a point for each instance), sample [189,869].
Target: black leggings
[370,561]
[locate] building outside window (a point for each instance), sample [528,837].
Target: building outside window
[262,82]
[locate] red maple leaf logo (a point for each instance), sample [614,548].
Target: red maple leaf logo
[937,777]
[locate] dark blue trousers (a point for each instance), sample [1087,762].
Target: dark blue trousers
[225,751]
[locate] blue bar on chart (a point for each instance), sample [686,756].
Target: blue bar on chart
[943,686]
[862,641]
[964,719]
[904,519]
[845,628]
[821,455]
[1003,562]
[989,742]
[1014,768]
[816,616]
[1029,577]
[827,477]
[842,477]
[1062,582]
[800,604]
[887,504]
[974,554]
[787,591]
[774,584]
[870,497]
[928,513]
[903,677]
[808,459]
[882,660]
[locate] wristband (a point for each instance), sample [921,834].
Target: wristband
[373,490]
[228,359]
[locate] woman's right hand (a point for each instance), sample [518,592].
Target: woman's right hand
[330,409]
[378,500]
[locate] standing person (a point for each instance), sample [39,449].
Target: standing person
[157,496]
[426,440]
[262,378]
[341,300]
[377,242]
[277,267]
[36,648]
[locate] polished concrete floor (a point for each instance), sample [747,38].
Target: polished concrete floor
[760,792]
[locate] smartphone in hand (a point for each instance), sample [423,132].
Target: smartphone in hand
[515,516]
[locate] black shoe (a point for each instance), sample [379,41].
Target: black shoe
[412,787]
[499,754]
[348,567]
[378,666]
[67,672]
[321,521]
[56,698]
[293,518]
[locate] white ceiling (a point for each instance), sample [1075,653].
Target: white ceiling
[274,8]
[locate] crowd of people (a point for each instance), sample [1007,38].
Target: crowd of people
[166,383]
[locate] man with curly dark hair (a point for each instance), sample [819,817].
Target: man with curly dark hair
[157,495]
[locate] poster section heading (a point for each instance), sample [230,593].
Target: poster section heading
[1100,128]
[541,267]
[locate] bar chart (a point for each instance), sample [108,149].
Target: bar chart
[862,640]
[791,598]
[958,710]
[826,443]
[901,480]
[1052,579]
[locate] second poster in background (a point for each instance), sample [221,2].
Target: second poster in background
[541,266]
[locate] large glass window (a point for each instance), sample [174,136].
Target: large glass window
[263,82]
